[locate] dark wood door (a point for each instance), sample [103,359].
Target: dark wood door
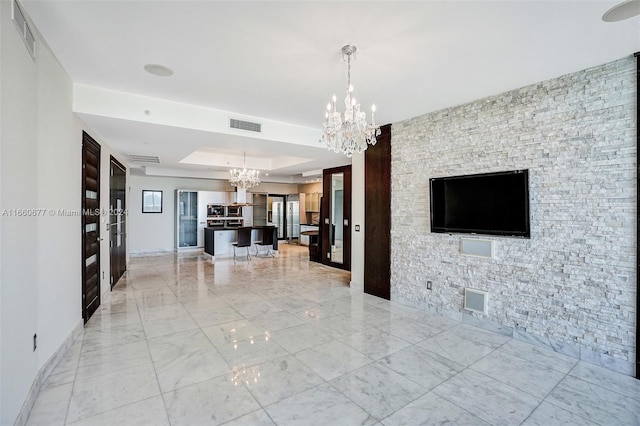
[377,216]
[336,217]
[117,221]
[90,226]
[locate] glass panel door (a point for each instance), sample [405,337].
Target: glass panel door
[188,219]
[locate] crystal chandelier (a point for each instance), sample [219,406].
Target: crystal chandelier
[244,178]
[349,132]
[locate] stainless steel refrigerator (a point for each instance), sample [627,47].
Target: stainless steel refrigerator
[293,220]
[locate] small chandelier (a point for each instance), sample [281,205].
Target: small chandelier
[351,133]
[244,178]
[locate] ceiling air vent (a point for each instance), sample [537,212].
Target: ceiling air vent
[21,24]
[245,125]
[144,158]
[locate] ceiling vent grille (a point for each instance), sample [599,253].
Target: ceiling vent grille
[245,125]
[144,158]
[22,26]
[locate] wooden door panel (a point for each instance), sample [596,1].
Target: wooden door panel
[117,221]
[91,247]
[90,226]
[377,218]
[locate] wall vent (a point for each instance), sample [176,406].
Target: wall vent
[475,300]
[144,158]
[20,21]
[476,247]
[245,125]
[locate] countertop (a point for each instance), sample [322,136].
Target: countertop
[223,228]
[235,228]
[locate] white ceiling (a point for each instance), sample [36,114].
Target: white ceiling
[278,63]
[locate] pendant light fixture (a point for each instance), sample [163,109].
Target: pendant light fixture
[243,178]
[349,132]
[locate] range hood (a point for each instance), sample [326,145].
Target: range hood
[240,198]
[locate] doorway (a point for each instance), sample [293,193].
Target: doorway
[90,203]
[117,220]
[336,217]
[275,214]
[292,218]
[283,211]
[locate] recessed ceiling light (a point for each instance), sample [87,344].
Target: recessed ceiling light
[625,10]
[159,70]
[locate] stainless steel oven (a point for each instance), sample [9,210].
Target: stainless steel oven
[234,211]
[215,223]
[215,210]
[234,223]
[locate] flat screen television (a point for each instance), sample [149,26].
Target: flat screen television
[488,203]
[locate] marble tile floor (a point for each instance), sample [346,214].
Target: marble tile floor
[283,341]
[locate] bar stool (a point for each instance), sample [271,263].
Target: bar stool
[266,241]
[244,240]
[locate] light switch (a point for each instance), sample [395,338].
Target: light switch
[357,228]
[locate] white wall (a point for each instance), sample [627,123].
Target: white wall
[2,14]
[58,186]
[357,218]
[155,232]
[18,281]
[40,259]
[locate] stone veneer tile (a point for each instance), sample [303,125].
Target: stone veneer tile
[572,280]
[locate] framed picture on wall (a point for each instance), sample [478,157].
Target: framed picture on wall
[151,201]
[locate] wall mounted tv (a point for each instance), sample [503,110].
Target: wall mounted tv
[488,203]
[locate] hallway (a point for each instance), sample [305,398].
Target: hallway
[283,341]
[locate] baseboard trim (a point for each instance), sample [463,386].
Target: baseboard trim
[44,373]
[156,252]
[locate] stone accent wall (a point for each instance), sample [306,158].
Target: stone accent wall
[572,285]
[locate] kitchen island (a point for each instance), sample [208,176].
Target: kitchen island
[304,227]
[217,240]
[314,245]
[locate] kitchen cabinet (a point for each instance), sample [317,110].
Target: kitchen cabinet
[204,198]
[223,240]
[312,202]
[259,209]
[186,219]
[217,242]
